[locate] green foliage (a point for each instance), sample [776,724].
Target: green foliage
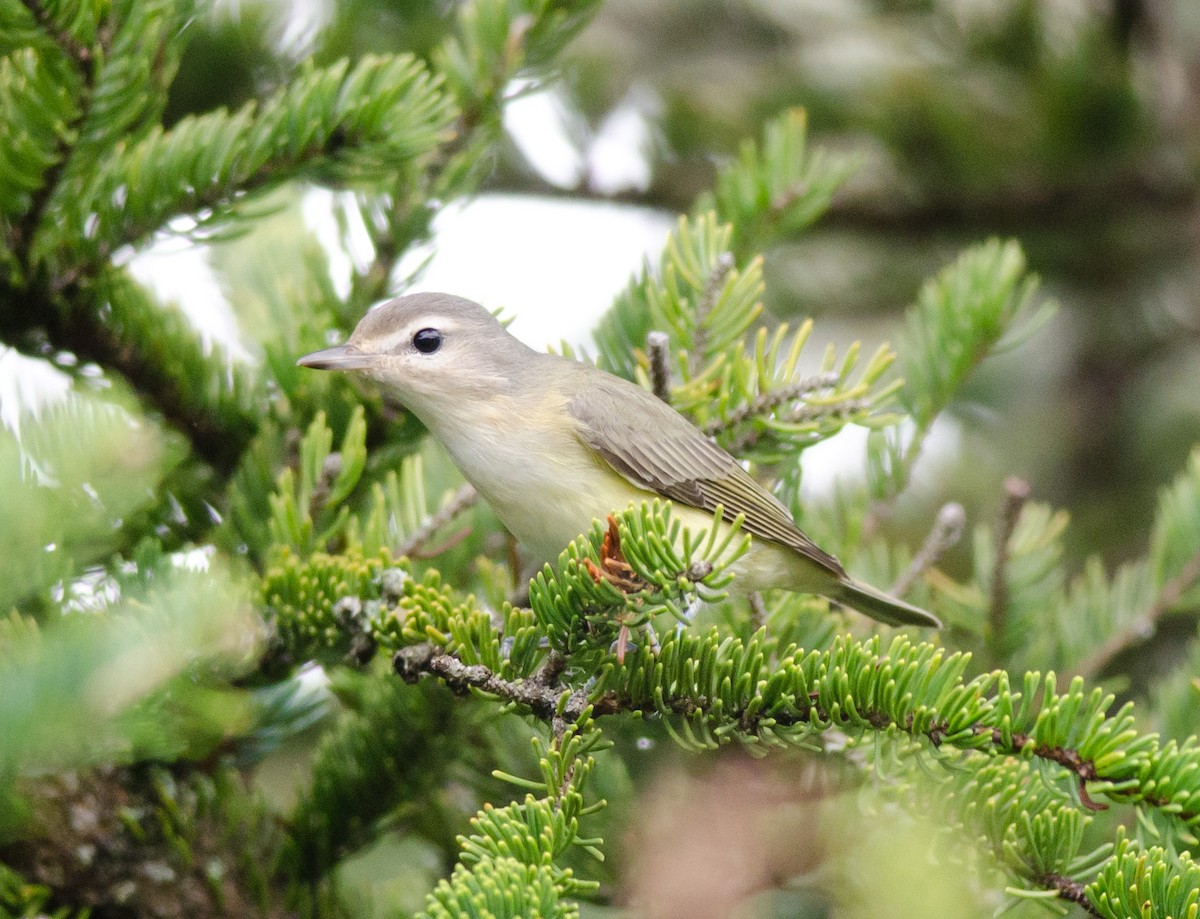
[356,125]
[499,887]
[317,605]
[71,476]
[189,382]
[21,900]
[1044,621]
[393,750]
[1011,808]
[578,608]
[307,510]
[968,311]
[776,189]
[698,296]
[68,694]
[143,676]
[508,865]
[754,400]
[1149,883]
[980,304]
[30,147]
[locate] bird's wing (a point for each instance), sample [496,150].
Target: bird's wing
[655,448]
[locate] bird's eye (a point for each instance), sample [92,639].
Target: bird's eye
[427,340]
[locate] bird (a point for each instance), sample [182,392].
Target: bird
[553,444]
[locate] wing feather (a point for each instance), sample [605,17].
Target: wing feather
[678,462]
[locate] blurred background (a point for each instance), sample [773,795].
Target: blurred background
[1072,125]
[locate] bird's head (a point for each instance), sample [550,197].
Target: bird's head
[430,352]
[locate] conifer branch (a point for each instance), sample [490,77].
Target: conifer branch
[1016,493]
[1072,891]
[845,408]
[22,235]
[218,421]
[73,48]
[1144,626]
[697,354]
[769,401]
[545,700]
[558,706]
[984,300]
[540,694]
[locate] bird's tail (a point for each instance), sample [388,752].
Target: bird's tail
[878,605]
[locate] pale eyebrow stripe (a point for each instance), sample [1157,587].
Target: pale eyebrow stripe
[441,323]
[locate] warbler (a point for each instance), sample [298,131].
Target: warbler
[552,444]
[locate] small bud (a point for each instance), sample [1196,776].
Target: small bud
[392,581]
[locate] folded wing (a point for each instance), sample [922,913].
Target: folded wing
[664,453]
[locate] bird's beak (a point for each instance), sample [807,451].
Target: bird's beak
[340,357]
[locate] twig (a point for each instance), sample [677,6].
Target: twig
[1144,625]
[758,609]
[765,402]
[540,694]
[1016,493]
[712,290]
[946,532]
[800,413]
[658,348]
[463,499]
[1071,890]
[330,470]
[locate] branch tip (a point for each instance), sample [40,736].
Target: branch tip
[658,348]
[947,530]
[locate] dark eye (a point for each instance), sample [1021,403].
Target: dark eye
[427,340]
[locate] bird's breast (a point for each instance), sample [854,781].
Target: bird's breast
[543,483]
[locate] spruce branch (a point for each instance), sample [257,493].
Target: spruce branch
[76,111]
[539,694]
[1070,890]
[60,34]
[209,163]
[983,302]
[1145,624]
[713,286]
[775,187]
[559,706]
[205,396]
[767,402]
[548,701]
[121,91]
[1016,493]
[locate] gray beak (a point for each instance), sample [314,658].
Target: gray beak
[340,357]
